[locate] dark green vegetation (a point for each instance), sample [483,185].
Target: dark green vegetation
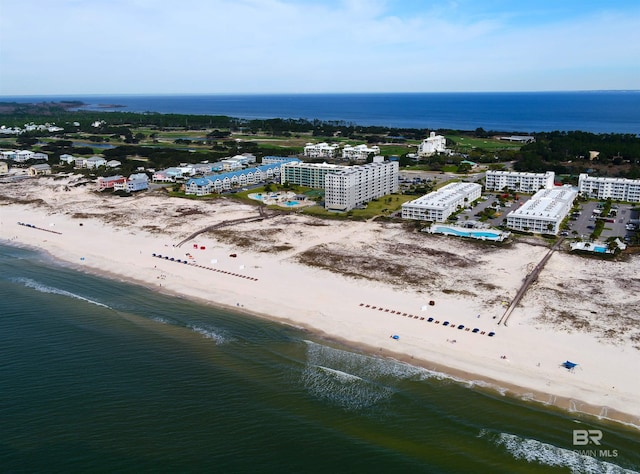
[158,141]
[570,153]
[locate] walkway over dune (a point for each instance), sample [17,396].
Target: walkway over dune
[530,278]
[227,223]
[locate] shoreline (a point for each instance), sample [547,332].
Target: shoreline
[329,305]
[469,379]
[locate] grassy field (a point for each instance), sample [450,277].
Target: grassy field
[466,144]
[380,207]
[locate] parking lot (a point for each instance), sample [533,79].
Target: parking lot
[581,226]
[615,226]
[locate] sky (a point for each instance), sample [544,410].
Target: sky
[76,47]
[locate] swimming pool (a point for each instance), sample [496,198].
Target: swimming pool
[600,249]
[475,234]
[292,203]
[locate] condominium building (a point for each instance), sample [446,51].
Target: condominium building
[359,152]
[269,160]
[237,162]
[356,185]
[217,183]
[544,212]
[433,144]
[311,175]
[439,205]
[321,150]
[518,181]
[620,189]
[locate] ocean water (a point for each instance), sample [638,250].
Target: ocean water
[524,112]
[100,375]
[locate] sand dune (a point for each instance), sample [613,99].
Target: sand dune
[322,274]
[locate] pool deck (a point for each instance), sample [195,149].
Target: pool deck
[282,199]
[480,234]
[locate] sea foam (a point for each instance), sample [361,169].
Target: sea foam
[219,337]
[42,288]
[534,451]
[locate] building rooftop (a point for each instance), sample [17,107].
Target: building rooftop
[547,203]
[302,164]
[231,174]
[444,196]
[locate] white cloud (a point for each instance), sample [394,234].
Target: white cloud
[136,46]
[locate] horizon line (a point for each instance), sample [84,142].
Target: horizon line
[149,94]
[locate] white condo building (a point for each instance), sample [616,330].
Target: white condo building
[321,150]
[544,212]
[311,175]
[359,152]
[518,181]
[439,205]
[356,185]
[433,144]
[620,189]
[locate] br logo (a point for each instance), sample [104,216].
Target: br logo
[585,437]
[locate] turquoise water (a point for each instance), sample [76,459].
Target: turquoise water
[600,249]
[292,203]
[470,233]
[103,376]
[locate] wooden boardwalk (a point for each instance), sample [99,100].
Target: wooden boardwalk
[260,217]
[529,279]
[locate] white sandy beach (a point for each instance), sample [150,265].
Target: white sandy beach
[321,275]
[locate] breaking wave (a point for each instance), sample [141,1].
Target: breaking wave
[534,451]
[219,337]
[29,283]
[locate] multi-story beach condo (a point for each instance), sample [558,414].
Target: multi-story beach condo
[620,189]
[433,144]
[544,212]
[359,152]
[269,160]
[321,150]
[439,205]
[217,183]
[310,175]
[356,185]
[517,181]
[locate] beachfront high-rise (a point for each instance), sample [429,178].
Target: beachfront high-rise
[354,186]
[439,205]
[544,212]
[311,175]
[620,189]
[518,181]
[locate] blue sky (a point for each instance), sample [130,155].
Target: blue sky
[288,46]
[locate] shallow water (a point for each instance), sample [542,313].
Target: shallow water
[100,375]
